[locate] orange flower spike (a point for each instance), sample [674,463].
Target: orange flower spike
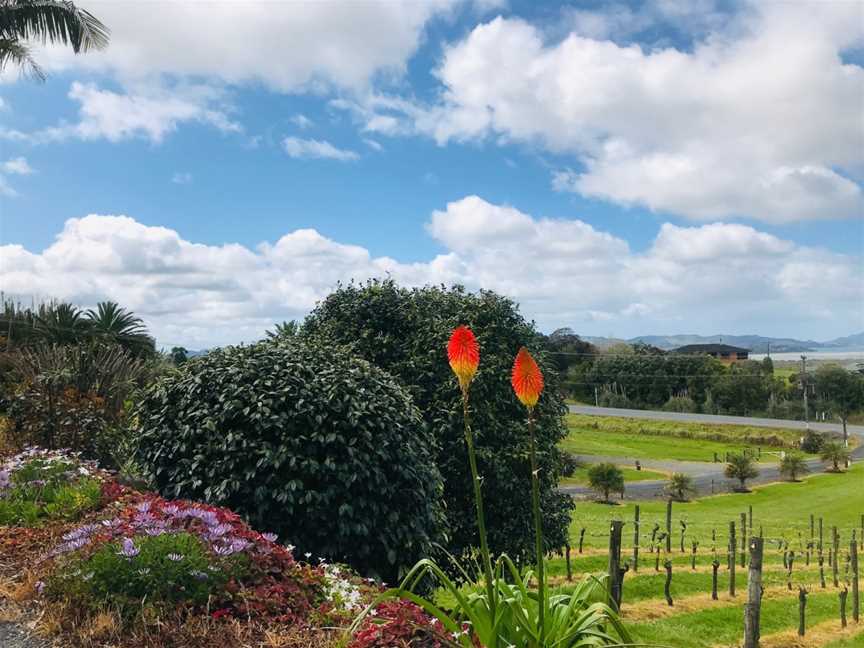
[463,352]
[527,379]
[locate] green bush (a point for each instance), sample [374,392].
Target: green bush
[170,568]
[303,439]
[606,478]
[680,404]
[405,332]
[36,485]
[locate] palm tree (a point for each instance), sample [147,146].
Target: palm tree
[61,323]
[836,453]
[792,465]
[118,325]
[48,21]
[742,468]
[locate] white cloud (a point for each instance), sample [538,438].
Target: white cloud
[182,178]
[375,146]
[301,121]
[286,46]
[709,278]
[17,166]
[762,119]
[6,189]
[149,111]
[299,148]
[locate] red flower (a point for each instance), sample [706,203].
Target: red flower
[463,352]
[527,380]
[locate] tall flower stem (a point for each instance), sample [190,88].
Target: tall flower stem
[538,530]
[478,501]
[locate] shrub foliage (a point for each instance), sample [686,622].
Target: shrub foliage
[307,440]
[405,332]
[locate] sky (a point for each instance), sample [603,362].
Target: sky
[619,168]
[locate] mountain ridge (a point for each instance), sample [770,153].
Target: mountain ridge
[754,343]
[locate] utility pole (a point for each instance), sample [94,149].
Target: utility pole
[804,388]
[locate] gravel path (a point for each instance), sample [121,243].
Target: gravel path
[13,635]
[707,477]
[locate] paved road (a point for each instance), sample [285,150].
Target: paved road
[707,477]
[714,418]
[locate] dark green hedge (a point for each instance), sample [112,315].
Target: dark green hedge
[304,440]
[405,332]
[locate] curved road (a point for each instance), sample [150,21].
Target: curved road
[707,477]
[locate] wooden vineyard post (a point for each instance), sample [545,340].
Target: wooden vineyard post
[657,553]
[843,594]
[715,565]
[744,539]
[802,605]
[581,539]
[750,518]
[835,541]
[569,567]
[636,539]
[615,564]
[856,602]
[669,526]
[791,561]
[821,560]
[683,533]
[666,586]
[820,545]
[812,527]
[754,595]
[694,544]
[732,548]
[807,554]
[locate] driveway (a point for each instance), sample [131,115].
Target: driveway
[707,477]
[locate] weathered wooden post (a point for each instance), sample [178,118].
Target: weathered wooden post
[715,565]
[669,525]
[807,554]
[694,546]
[802,605]
[666,591]
[615,563]
[789,571]
[821,560]
[843,594]
[812,527]
[750,518]
[835,540]
[732,547]
[856,603]
[744,539]
[569,567]
[820,545]
[683,532]
[754,595]
[636,539]
[581,539]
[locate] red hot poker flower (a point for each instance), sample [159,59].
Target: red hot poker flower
[463,352]
[527,380]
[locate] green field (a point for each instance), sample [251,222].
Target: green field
[580,475]
[642,439]
[781,511]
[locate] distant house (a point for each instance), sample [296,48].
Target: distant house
[725,353]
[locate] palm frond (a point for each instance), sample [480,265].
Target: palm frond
[55,21]
[12,51]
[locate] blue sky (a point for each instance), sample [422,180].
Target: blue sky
[619,168]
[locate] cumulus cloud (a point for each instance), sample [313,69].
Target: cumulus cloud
[762,119]
[563,272]
[17,166]
[300,148]
[182,178]
[286,46]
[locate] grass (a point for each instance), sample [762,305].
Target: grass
[643,439]
[580,475]
[782,510]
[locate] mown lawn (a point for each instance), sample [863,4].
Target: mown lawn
[782,511]
[643,439]
[580,475]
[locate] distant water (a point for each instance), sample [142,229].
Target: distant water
[856,354]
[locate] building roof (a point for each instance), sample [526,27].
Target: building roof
[722,349]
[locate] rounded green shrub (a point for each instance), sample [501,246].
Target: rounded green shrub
[405,331]
[301,439]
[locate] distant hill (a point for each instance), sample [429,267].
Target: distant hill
[755,343]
